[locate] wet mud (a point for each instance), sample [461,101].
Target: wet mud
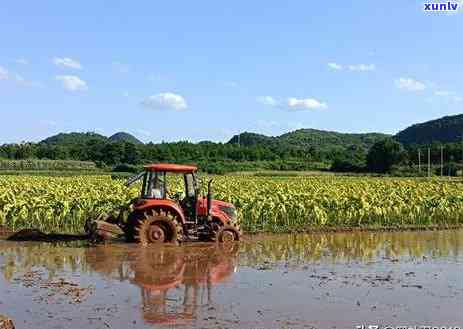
[325,280]
[36,235]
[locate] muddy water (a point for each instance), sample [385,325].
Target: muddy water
[280,281]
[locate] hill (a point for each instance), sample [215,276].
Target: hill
[88,137]
[251,139]
[124,137]
[310,138]
[74,138]
[322,138]
[447,129]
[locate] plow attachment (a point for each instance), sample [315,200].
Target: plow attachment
[107,227]
[102,230]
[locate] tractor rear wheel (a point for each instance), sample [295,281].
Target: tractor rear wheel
[158,227]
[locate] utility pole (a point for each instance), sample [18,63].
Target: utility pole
[441,161]
[449,165]
[419,161]
[429,162]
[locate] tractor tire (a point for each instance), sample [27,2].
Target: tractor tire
[159,227]
[228,233]
[132,222]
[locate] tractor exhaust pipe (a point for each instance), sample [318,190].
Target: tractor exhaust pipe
[209,199]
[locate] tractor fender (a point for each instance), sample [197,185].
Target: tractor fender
[220,216]
[166,205]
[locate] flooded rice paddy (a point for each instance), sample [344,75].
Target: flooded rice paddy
[337,280]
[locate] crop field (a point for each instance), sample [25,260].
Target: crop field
[62,204]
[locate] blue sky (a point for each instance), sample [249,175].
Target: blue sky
[195,70]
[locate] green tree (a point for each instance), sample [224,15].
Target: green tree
[384,154]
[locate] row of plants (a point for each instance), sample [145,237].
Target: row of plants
[266,204]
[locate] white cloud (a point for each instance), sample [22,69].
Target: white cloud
[4,75]
[67,62]
[362,67]
[267,100]
[72,82]
[335,66]
[293,103]
[458,99]
[305,104]
[409,84]
[165,101]
[22,61]
[352,67]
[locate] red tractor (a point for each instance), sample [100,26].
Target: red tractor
[158,216]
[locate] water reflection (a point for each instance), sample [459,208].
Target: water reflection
[173,281]
[111,260]
[296,250]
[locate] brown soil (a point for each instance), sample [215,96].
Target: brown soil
[36,235]
[5,232]
[53,289]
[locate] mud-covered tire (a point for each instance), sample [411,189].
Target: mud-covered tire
[228,233]
[158,227]
[132,222]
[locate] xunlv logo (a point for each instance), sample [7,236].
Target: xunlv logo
[449,6]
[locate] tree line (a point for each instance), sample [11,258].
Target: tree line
[212,157]
[382,157]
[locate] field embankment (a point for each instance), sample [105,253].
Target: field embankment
[47,165]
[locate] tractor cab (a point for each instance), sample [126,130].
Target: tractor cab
[155,186]
[155,180]
[160,214]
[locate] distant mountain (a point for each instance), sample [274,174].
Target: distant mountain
[124,137]
[308,138]
[89,137]
[251,139]
[321,138]
[74,138]
[446,129]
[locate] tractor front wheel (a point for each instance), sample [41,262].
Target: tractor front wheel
[228,233]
